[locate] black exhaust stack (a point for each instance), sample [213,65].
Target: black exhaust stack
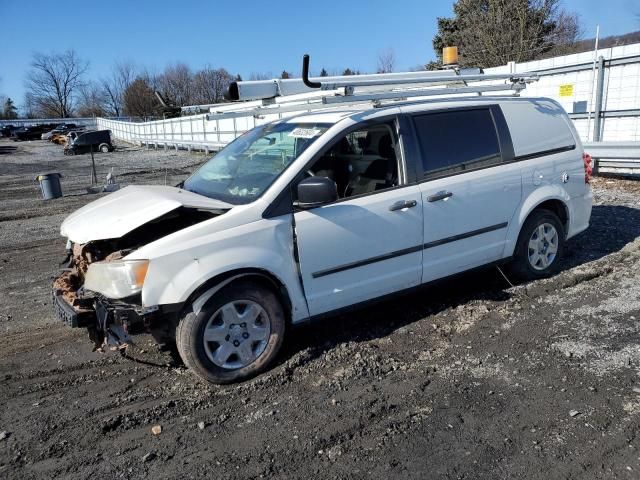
[305,73]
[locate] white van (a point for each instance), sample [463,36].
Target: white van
[312,214]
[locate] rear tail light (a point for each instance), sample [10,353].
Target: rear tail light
[588,167]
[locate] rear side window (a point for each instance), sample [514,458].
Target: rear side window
[457,140]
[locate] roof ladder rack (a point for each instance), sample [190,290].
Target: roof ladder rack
[265,97]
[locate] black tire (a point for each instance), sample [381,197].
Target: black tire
[190,333]
[522,266]
[104,148]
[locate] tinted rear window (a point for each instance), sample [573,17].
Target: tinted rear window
[457,140]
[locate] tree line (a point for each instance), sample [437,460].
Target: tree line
[57,86]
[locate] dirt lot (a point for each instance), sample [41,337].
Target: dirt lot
[471,378]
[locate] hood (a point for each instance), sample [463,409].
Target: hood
[120,212]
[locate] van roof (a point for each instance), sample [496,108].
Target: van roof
[335,114]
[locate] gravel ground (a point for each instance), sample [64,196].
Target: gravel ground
[471,378]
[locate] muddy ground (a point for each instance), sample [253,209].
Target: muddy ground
[471,378]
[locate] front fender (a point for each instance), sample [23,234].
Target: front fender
[265,245]
[538,196]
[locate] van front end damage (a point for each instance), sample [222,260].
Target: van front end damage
[106,298]
[110,322]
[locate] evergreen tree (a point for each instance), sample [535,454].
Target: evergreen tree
[10,111]
[490,33]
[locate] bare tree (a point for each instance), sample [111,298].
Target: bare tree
[386,61]
[209,85]
[54,81]
[28,107]
[260,76]
[175,84]
[566,34]
[92,101]
[139,99]
[114,86]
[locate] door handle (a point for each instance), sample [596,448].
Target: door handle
[439,196]
[402,204]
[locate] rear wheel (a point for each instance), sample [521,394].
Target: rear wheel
[234,336]
[540,246]
[104,148]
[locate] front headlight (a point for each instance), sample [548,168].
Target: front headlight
[118,279]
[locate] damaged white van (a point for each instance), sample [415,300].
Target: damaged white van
[319,212]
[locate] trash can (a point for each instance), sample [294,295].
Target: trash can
[50,185]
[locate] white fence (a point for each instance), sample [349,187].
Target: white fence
[190,132]
[600,91]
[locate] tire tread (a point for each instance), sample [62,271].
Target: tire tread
[187,333]
[520,267]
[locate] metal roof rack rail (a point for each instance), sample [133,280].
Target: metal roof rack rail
[265,97]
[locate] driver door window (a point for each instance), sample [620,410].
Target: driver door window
[361,162]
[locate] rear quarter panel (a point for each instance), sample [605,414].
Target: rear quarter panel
[549,152]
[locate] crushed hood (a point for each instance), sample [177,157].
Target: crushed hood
[120,212]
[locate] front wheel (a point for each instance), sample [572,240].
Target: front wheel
[234,336]
[540,246]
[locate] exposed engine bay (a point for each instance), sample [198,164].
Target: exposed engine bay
[110,321]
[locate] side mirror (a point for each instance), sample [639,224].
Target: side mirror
[316,191]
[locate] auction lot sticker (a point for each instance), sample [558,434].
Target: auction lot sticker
[304,132]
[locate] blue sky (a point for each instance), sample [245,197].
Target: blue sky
[244,37]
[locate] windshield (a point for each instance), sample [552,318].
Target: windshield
[245,168]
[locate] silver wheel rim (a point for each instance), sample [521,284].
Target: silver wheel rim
[543,246]
[236,334]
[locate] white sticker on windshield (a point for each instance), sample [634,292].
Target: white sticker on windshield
[304,132]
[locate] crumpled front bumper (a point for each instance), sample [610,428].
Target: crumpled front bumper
[109,322]
[70,315]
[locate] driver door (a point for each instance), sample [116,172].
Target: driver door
[368,243]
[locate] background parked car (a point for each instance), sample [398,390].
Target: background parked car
[83,142]
[27,133]
[7,130]
[59,139]
[63,129]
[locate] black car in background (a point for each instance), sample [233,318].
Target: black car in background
[27,133]
[7,130]
[95,141]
